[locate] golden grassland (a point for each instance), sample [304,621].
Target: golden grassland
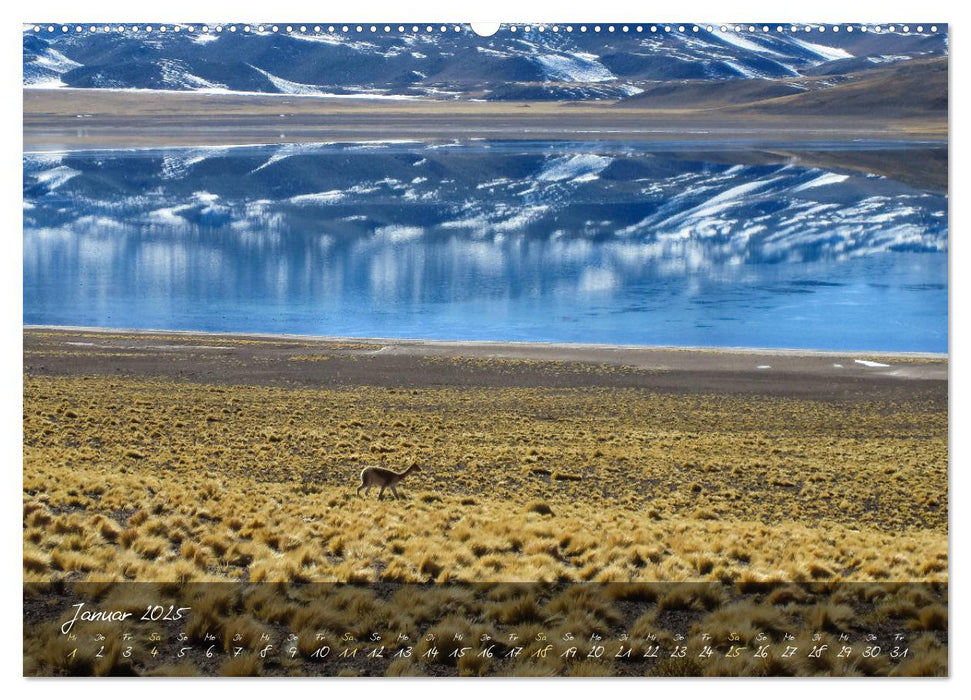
[159,480]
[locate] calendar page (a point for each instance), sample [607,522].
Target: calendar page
[435,349]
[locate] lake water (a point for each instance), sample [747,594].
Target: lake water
[585,243]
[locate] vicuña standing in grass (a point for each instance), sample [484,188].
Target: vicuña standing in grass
[385,478]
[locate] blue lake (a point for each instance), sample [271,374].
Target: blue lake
[559,242]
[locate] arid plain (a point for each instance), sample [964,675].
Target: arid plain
[151,458]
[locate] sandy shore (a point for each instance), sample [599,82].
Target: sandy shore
[268,360]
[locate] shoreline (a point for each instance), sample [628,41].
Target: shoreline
[290,361]
[645,145]
[125,136]
[71,118]
[501,344]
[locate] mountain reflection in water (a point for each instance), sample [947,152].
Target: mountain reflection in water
[587,243]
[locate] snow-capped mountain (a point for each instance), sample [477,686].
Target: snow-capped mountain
[523,65]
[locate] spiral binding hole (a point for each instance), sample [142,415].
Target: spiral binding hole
[912,30]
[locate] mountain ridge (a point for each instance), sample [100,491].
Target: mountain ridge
[525,66]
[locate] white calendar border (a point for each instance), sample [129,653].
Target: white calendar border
[829,11]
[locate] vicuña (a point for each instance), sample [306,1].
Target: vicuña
[385,478]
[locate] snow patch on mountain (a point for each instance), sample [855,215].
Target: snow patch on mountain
[735,39]
[176,73]
[204,37]
[289,87]
[743,71]
[887,59]
[46,69]
[828,53]
[578,68]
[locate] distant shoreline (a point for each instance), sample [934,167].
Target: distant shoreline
[722,145]
[89,118]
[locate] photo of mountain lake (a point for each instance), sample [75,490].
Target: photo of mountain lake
[623,331]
